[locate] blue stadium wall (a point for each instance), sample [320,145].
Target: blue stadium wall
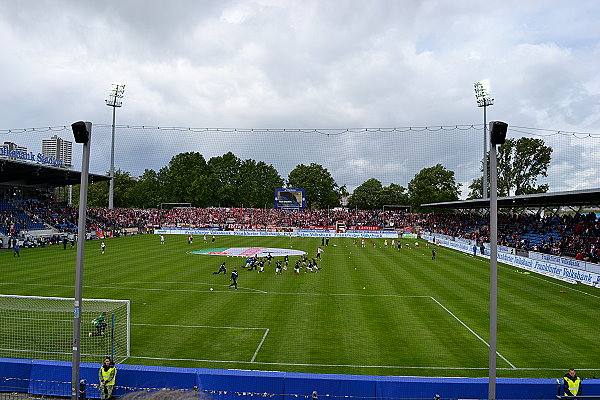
[52,378]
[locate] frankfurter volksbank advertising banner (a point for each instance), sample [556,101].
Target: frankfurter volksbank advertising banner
[294,199]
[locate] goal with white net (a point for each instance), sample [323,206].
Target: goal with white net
[42,328]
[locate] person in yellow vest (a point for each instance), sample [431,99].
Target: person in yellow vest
[107,375]
[572,383]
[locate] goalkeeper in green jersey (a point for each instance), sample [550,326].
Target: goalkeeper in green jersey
[100,324]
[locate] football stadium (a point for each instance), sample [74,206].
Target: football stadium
[334,295]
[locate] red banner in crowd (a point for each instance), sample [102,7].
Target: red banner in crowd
[368,228]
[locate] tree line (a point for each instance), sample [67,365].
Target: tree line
[228,181]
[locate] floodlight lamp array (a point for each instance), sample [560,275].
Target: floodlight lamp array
[483,96]
[115,95]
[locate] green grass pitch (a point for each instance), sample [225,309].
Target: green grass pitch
[372,311]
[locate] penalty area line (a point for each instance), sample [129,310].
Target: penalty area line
[260,345]
[472,331]
[203,326]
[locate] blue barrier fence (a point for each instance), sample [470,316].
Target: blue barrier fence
[52,378]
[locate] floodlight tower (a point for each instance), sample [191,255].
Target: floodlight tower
[484,99]
[114,100]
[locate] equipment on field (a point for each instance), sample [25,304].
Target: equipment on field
[42,328]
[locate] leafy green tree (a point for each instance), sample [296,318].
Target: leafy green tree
[393,195]
[147,191]
[227,178]
[367,195]
[258,184]
[97,194]
[321,189]
[433,185]
[124,191]
[520,163]
[180,180]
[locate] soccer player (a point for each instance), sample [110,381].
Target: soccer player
[433,254]
[277,267]
[221,269]
[309,267]
[16,250]
[297,268]
[362,242]
[103,246]
[234,277]
[190,239]
[315,265]
[162,239]
[100,324]
[319,251]
[286,261]
[474,250]
[385,243]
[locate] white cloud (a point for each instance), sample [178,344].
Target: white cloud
[329,64]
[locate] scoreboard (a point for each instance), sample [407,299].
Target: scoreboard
[290,198]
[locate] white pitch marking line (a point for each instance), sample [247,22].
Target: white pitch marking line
[201,326]
[260,345]
[472,331]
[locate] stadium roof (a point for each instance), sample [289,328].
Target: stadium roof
[27,174]
[586,197]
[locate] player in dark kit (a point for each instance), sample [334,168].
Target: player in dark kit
[221,269]
[433,254]
[234,276]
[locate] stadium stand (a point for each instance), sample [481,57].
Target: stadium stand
[569,235]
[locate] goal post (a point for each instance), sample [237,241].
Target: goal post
[169,206]
[35,327]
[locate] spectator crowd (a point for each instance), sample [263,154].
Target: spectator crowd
[572,235]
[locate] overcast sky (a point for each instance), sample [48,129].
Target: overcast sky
[308,64]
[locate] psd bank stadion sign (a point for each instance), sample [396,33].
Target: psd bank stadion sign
[294,199]
[21,155]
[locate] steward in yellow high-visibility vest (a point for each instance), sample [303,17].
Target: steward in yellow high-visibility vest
[572,383]
[107,375]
